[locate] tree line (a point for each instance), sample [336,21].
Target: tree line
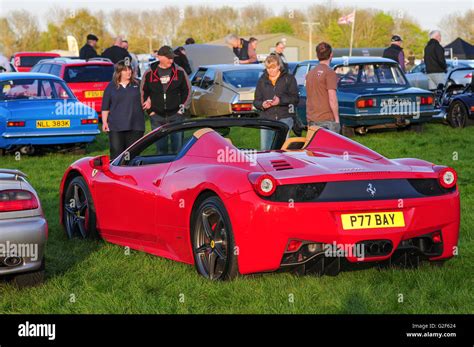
[147,30]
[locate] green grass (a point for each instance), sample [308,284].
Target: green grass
[103,279]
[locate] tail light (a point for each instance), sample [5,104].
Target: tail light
[293,246]
[426,100]
[17,200]
[365,103]
[89,121]
[469,75]
[264,185]
[14,124]
[241,107]
[436,237]
[447,177]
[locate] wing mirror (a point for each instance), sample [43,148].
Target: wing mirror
[100,163]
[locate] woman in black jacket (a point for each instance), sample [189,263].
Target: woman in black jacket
[276,96]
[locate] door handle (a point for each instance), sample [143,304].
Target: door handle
[157,182]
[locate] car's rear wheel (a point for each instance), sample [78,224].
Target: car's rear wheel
[79,211]
[213,241]
[29,279]
[457,115]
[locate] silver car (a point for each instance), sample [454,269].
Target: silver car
[418,78]
[23,230]
[226,89]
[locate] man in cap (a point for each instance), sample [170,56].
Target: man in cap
[88,50]
[395,51]
[166,94]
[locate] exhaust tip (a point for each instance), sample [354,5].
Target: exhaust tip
[386,247]
[12,261]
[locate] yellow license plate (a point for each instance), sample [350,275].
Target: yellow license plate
[60,123]
[94,94]
[372,220]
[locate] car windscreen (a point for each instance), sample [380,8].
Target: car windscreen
[34,89]
[166,148]
[88,73]
[29,61]
[242,78]
[370,75]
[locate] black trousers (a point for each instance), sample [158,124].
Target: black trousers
[120,140]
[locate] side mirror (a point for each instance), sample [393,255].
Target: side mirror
[100,163]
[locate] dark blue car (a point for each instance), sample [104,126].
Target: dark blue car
[457,102]
[372,93]
[38,110]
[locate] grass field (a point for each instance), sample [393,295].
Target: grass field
[96,277]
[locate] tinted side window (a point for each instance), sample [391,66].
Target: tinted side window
[163,150]
[196,81]
[37,68]
[208,79]
[45,68]
[300,74]
[55,70]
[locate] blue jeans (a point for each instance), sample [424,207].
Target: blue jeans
[267,136]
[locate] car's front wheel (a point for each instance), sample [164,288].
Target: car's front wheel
[79,211]
[213,242]
[457,115]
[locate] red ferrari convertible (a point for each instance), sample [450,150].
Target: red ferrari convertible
[314,204]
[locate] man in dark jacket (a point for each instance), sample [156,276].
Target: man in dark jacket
[395,52]
[435,61]
[279,49]
[117,53]
[181,59]
[166,95]
[276,97]
[88,50]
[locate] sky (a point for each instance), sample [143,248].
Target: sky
[428,13]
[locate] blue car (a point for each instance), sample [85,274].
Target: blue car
[373,93]
[457,102]
[39,110]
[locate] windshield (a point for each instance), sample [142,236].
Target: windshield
[242,78]
[34,89]
[89,73]
[31,60]
[370,74]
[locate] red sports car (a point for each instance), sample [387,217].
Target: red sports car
[316,204]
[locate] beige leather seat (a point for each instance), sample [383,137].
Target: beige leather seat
[299,143]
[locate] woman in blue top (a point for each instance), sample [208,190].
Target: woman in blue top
[122,114]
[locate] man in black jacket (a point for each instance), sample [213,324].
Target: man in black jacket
[279,48]
[116,52]
[276,97]
[395,51]
[435,61]
[166,95]
[88,50]
[181,59]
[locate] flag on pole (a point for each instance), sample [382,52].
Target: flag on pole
[348,19]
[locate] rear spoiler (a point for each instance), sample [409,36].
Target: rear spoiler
[17,173]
